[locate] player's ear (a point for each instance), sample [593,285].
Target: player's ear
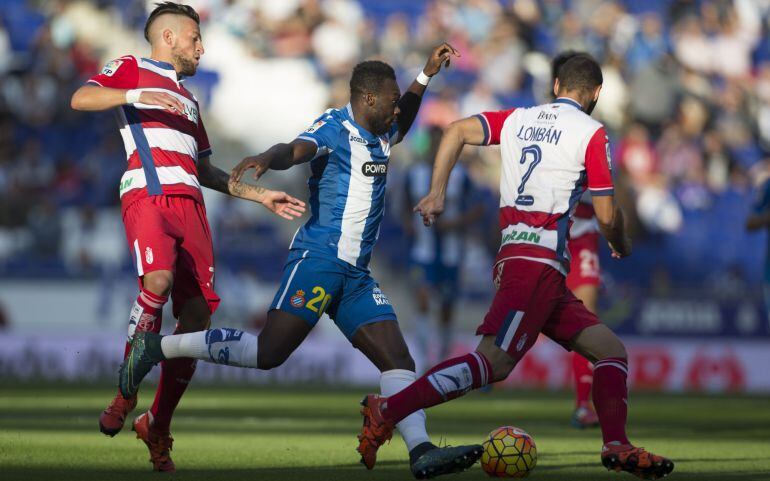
[556,87]
[370,99]
[168,37]
[596,93]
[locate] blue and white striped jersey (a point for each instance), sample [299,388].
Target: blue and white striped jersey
[347,188]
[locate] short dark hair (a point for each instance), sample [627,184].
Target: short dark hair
[580,72]
[173,8]
[369,76]
[559,60]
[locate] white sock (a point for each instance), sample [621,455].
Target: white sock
[412,427]
[219,346]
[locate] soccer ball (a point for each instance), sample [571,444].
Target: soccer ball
[509,452]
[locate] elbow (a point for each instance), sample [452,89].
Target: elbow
[455,128]
[78,101]
[75,103]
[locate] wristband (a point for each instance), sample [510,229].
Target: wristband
[132,96]
[423,79]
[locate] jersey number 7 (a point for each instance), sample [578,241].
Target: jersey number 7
[534,154]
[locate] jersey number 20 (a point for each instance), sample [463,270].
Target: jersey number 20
[534,154]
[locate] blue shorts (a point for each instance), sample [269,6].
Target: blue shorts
[443,278]
[312,285]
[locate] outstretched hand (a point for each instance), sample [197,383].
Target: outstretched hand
[260,164]
[430,207]
[440,56]
[283,205]
[162,99]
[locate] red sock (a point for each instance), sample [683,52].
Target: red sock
[146,315]
[581,369]
[175,375]
[446,381]
[611,398]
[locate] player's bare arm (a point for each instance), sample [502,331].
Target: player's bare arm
[758,221]
[468,131]
[611,221]
[277,157]
[92,98]
[280,203]
[409,103]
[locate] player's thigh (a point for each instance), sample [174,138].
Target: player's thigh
[527,294]
[576,328]
[383,344]
[310,286]
[153,232]
[282,334]
[195,261]
[598,342]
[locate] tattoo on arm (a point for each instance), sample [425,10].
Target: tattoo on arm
[246,191]
[217,179]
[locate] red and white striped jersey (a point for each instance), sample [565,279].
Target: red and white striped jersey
[162,148]
[550,154]
[584,219]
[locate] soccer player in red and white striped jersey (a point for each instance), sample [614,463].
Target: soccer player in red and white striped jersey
[168,160]
[550,154]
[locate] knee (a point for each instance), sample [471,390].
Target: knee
[500,361]
[269,358]
[158,282]
[501,368]
[614,349]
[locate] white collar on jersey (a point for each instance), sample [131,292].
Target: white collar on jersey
[568,101]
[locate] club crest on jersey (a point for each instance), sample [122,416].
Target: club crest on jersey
[315,126]
[374,169]
[111,67]
[148,255]
[298,299]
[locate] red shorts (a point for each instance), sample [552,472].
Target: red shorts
[532,298]
[170,232]
[584,269]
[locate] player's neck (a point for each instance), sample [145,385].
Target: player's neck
[360,118]
[163,57]
[573,98]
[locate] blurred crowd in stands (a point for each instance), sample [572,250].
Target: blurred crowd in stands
[686,101]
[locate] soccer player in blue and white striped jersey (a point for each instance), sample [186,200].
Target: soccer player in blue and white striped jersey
[327,269]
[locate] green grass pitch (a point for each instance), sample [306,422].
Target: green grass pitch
[265,434]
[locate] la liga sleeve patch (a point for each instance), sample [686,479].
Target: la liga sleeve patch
[315,126]
[111,67]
